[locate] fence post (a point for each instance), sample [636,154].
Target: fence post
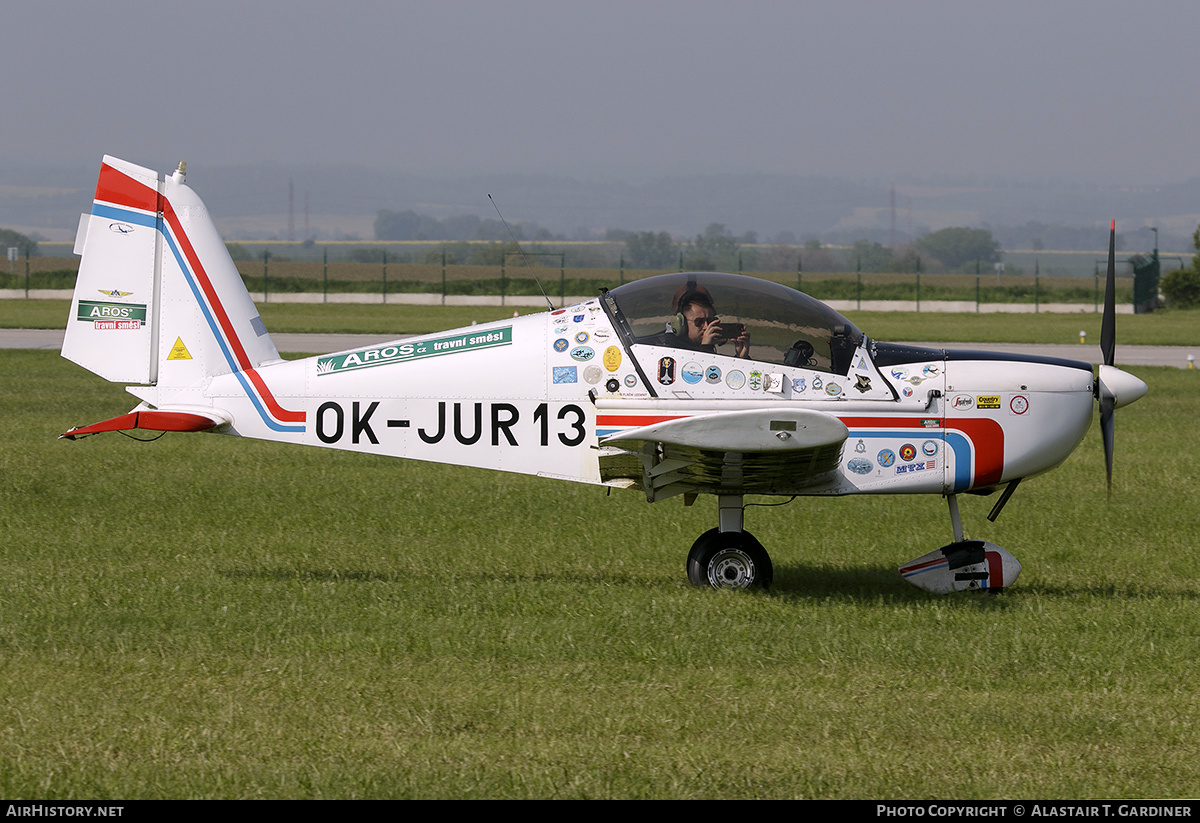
[325,277]
[799,260]
[562,279]
[977,292]
[266,257]
[918,292]
[385,277]
[503,260]
[858,271]
[26,272]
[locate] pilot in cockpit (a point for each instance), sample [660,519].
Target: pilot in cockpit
[695,324]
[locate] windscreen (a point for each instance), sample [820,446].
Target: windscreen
[784,326]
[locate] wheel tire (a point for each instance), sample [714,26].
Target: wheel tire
[729,560]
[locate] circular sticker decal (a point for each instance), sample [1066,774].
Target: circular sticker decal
[886,457]
[735,379]
[907,452]
[592,374]
[612,358]
[561,344]
[1019,404]
[713,374]
[692,373]
[581,338]
[929,448]
[631,380]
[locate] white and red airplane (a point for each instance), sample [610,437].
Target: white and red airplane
[679,384]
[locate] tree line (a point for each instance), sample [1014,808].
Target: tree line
[950,249]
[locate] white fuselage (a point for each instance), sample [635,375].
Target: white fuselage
[538,395]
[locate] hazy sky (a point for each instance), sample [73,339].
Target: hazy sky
[1095,90]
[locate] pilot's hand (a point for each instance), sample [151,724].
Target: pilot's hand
[741,344]
[712,336]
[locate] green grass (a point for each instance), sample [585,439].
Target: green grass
[1168,327]
[206,617]
[1164,328]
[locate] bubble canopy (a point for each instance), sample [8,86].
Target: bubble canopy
[779,320]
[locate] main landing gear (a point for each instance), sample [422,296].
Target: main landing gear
[729,557]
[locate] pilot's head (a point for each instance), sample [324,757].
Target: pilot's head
[697,309]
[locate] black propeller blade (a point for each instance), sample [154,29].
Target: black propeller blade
[1106,431]
[1108,325]
[1108,348]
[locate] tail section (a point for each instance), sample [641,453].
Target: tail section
[158,300]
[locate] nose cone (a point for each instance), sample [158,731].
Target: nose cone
[1121,387]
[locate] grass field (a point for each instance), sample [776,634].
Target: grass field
[206,617]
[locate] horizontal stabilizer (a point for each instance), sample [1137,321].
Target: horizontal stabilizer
[153,420]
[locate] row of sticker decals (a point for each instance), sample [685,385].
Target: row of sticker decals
[886,458]
[1017,404]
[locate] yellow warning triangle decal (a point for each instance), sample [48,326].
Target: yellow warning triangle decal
[179,351]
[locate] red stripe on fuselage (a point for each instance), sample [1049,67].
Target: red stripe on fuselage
[636,421]
[985,434]
[988,437]
[185,246]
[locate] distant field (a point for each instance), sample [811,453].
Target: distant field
[204,617]
[284,276]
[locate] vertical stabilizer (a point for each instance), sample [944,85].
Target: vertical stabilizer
[158,299]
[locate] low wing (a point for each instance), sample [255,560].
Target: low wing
[760,451]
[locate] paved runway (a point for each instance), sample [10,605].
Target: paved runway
[313,343]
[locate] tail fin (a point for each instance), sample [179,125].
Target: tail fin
[158,301]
